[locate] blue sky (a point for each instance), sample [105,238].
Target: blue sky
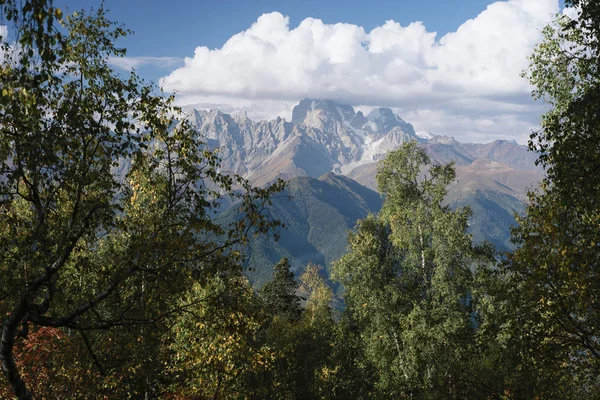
[449,67]
[176,27]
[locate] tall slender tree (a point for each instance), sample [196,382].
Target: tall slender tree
[408,278]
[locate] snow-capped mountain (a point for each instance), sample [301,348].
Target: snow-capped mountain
[325,136]
[322,137]
[425,135]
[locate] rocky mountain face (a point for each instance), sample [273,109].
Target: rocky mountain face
[324,136]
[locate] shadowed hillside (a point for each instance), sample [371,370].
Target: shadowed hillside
[317,214]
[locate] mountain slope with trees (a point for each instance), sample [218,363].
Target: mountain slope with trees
[316,215]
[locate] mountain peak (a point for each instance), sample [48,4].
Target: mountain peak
[425,135]
[449,140]
[383,119]
[328,108]
[382,113]
[359,120]
[240,116]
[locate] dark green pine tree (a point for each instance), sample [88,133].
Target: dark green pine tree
[279,294]
[281,332]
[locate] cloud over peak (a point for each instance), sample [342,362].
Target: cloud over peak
[465,73]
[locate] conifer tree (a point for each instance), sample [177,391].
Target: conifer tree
[279,294]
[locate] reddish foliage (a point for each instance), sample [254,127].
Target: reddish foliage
[33,356]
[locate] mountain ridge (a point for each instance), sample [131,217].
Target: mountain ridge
[326,136]
[317,214]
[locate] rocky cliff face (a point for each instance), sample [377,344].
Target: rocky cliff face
[324,136]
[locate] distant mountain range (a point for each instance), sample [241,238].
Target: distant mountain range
[330,153]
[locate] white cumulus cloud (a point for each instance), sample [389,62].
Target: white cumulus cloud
[469,78]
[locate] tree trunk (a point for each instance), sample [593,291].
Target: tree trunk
[423,265]
[9,367]
[216,395]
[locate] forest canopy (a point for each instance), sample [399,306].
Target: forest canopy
[118,281]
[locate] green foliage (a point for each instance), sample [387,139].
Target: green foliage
[106,198]
[215,351]
[409,281]
[554,271]
[317,335]
[283,332]
[301,340]
[348,374]
[279,294]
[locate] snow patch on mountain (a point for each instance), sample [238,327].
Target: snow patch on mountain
[425,135]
